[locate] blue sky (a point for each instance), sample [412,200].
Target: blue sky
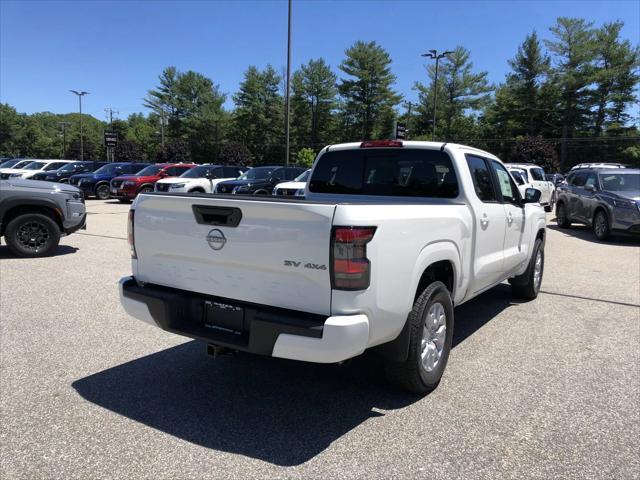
[116,49]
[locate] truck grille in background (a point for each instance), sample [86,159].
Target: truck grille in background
[116,183]
[162,187]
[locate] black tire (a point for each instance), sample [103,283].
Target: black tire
[32,235]
[411,374]
[145,189]
[526,286]
[561,216]
[102,191]
[601,228]
[196,190]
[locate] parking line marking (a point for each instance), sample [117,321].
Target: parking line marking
[103,236]
[624,304]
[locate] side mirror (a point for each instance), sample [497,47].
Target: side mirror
[590,188]
[532,195]
[209,176]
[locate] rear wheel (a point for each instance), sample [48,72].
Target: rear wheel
[32,235]
[431,335]
[601,225]
[146,189]
[561,216]
[527,285]
[102,191]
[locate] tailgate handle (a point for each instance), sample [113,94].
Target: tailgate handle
[221,216]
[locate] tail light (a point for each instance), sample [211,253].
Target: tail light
[351,270]
[130,234]
[380,143]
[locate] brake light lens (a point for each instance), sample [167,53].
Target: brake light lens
[351,270]
[380,143]
[130,234]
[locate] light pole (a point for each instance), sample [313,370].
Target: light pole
[433,54]
[288,88]
[80,95]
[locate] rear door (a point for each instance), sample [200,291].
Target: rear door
[277,254]
[539,182]
[490,226]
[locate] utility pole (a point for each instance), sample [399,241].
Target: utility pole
[110,153]
[80,95]
[286,97]
[408,104]
[162,128]
[433,54]
[63,126]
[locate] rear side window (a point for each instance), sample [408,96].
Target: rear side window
[481,179]
[231,172]
[579,180]
[386,172]
[537,174]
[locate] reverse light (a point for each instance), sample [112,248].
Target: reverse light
[130,234]
[350,268]
[381,144]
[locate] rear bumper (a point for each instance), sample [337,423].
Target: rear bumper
[266,330]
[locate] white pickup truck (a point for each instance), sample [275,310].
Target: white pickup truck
[389,237]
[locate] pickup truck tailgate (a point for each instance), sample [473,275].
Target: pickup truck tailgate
[277,254]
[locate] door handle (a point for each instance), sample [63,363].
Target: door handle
[509,218]
[484,221]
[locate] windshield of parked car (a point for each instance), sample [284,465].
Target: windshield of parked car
[399,172]
[22,164]
[109,169]
[621,182]
[150,170]
[258,173]
[197,172]
[303,177]
[9,163]
[35,166]
[69,167]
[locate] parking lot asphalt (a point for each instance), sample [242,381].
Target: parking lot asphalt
[546,389]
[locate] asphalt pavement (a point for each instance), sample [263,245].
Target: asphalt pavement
[545,389]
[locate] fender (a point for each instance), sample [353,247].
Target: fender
[32,202]
[442,250]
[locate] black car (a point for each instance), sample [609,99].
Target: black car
[607,200]
[259,180]
[62,174]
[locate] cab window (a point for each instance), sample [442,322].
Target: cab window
[508,188]
[481,179]
[592,180]
[537,174]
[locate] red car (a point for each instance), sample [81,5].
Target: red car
[126,187]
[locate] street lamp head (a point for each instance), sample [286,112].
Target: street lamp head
[430,55]
[79,93]
[447,52]
[433,52]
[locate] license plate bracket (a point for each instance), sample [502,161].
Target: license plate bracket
[224,317]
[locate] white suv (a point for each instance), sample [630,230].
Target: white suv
[36,166]
[530,175]
[200,179]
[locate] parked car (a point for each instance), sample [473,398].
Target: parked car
[605,199]
[37,166]
[9,162]
[534,177]
[555,178]
[63,174]
[16,167]
[201,179]
[126,187]
[597,165]
[96,184]
[33,215]
[259,180]
[390,236]
[296,187]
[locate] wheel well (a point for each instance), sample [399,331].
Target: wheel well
[197,189]
[599,209]
[24,209]
[146,185]
[439,271]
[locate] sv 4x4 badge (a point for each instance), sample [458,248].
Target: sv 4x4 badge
[312,266]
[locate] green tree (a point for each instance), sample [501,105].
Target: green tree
[368,99]
[574,50]
[234,153]
[461,92]
[312,104]
[128,151]
[258,120]
[10,124]
[305,157]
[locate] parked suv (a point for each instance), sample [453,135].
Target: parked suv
[126,187]
[33,215]
[63,174]
[534,177]
[9,168]
[201,179]
[259,180]
[607,200]
[37,166]
[96,184]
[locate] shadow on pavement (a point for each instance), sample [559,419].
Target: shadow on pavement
[279,411]
[586,233]
[60,250]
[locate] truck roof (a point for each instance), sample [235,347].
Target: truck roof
[412,144]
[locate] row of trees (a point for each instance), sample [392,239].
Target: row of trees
[564,99]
